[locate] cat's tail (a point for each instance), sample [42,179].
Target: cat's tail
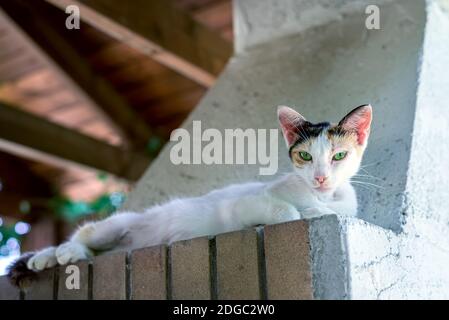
[18,273]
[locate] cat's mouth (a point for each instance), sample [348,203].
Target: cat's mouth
[323,188]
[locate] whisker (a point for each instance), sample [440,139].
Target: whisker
[367,184]
[368,165]
[367,188]
[367,176]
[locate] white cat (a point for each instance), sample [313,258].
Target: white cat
[324,158]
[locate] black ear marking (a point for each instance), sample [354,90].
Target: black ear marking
[309,131]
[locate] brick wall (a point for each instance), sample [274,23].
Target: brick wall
[265,263]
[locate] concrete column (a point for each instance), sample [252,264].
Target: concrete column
[319,57]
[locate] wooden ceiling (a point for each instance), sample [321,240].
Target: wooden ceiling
[94,84]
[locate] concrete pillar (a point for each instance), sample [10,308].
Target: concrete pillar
[319,57]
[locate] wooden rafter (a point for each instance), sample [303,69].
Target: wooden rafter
[33,19]
[33,137]
[159,29]
[23,194]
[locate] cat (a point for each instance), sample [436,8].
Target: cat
[324,156]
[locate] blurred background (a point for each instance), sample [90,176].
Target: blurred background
[84,111]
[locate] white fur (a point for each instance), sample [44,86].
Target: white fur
[235,207]
[43,259]
[232,208]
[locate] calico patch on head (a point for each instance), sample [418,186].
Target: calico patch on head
[326,154]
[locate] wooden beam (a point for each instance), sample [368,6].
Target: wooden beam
[11,203]
[160,30]
[32,137]
[16,176]
[34,20]
[19,184]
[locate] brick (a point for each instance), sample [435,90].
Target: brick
[7,290]
[43,287]
[237,265]
[64,293]
[109,277]
[149,274]
[287,259]
[190,269]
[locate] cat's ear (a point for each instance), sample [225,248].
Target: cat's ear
[291,123]
[359,120]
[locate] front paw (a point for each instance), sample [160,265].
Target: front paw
[42,260]
[71,252]
[316,212]
[285,213]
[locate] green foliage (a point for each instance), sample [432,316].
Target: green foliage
[154,145]
[72,211]
[6,233]
[65,209]
[102,176]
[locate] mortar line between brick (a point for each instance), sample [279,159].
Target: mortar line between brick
[128,289]
[56,271]
[261,263]
[168,275]
[90,280]
[213,268]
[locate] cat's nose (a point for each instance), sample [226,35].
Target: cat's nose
[321,179]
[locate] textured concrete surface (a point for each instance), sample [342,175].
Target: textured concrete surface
[257,22]
[74,294]
[7,291]
[190,269]
[329,258]
[43,288]
[149,273]
[318,57]
[287,260]
[109,277]
[323,72]
[237,266]
[413,263]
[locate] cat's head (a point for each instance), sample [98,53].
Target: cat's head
[325,155]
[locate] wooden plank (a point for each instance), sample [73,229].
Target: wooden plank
[165,86]
[35,20]
[17,66]
[11,203]
[32,137]
[217,15]
[165,109]
[159,29]
[19,185]
[138,71]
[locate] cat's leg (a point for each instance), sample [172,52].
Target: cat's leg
[315,212]
[282,211]
[263,210]
[43,259]
[345,201]
[104,235]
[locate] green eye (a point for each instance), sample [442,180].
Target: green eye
[340,156]
[305,156]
